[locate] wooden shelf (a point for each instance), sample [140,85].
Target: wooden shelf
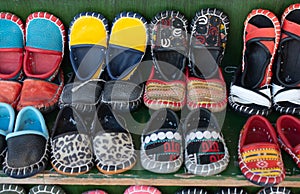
[131,179]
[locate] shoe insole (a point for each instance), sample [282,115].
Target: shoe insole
[38,63]
[205,61]
[87,60]
[289,72]
[257,56]
[10,62]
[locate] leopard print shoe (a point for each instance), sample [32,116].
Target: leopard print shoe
[71,151]
[112,143]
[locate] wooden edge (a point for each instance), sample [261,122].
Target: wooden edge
[49,178]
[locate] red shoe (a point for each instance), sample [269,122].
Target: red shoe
[44,50]
[288,129]
[259,153]
[11,57]
[286,79]
[250,91]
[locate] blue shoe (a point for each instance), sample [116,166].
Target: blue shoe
[7,118]
[27,145]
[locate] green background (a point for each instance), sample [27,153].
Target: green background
[237,10]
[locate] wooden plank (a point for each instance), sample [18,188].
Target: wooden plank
[100,179]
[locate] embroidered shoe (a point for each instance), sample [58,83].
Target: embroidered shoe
[165,87]
[206,153]
[250,91]
[206,87]
[161,148]
[259,154]
[288,129]
[286,79]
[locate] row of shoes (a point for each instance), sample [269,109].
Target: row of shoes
[259,152]
[76,146]
[117,58]
[269,76]
[30,60]
[137,189]
[38,189]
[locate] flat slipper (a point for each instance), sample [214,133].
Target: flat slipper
[161,147]
[274,190]
[7,119]
[112,143]
[206,153]
[46,189]
[169,44]
[28,140]
[12,189]
[11,46]
[259,153]
[250,91]
[206,87]
[286,79]
[288,129]
[71,150]
[44,49]
[41,94]
[141,189]
[88,47]
[127,45]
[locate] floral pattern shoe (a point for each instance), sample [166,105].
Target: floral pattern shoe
[259,153]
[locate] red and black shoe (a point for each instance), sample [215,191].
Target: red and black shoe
[250,91]
[286,80]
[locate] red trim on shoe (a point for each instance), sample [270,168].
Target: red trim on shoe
[217,82]
[164,103]
[273,18]
[259,154]
[288,128]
